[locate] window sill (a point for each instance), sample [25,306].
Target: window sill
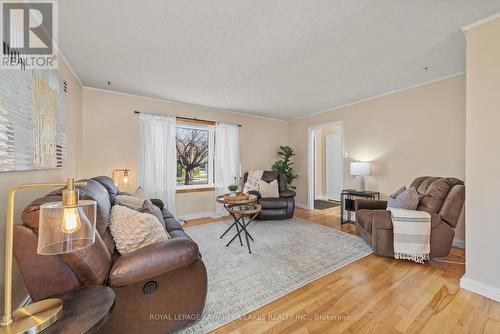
[194,189]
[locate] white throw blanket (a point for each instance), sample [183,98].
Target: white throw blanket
[412,230]
[254,175]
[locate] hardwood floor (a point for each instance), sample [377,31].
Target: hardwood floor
[374,295]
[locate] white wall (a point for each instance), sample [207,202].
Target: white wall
[483,160]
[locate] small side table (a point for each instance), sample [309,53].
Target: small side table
[239,210]
[347,201]
[85,310]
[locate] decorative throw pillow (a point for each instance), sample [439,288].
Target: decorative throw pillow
[397,192]
[407,199]
[132,230]
[149,207]
[269,189]
[130,201]
[139,193]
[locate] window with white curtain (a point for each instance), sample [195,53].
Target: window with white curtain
[195,155]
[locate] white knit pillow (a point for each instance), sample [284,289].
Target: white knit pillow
[132,230]
[129,201]
[269,189]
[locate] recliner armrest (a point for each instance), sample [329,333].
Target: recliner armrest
[152,261]
[287,194]
[158,202]
[255,193]
[370,204]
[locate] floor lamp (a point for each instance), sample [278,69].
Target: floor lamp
[63,227]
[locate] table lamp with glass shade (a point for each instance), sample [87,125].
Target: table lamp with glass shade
[360,169]
[124,179]
[64,227]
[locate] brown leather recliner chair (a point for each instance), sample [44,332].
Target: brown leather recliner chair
[166,278]
[442,197]
[275,208]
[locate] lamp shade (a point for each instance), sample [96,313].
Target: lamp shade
[360,168]
[66,228]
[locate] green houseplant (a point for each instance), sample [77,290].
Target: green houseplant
[284,165]
[232,188]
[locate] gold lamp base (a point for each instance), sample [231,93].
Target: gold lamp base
[34,318]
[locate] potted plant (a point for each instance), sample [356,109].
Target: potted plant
[284,165]
[232,190]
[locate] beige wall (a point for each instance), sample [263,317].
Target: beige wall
[110,138]
[70,169]
[415,132]
[482,160]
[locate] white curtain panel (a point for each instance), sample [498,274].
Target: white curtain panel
[227,160]
[157,158]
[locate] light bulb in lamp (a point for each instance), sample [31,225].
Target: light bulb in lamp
[71,220]
[125,177]
[68,225]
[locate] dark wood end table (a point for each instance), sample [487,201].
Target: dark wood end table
[347,201]
[85,310]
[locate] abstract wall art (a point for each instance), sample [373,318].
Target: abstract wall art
[33,120]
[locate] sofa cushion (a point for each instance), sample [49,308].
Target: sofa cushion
[110,186]
[171,224]
[133,230]
[179,234]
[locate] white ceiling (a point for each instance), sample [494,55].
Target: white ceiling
[282,58]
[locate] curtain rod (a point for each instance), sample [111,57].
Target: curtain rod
[191,119]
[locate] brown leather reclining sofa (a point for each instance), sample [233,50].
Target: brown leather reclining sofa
[442,197]
[167,278]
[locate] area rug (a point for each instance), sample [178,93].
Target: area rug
[286,255]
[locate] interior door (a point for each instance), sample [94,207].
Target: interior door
[334,167]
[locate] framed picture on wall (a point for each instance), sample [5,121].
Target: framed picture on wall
[33,120]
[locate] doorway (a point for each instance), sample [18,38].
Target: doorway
[326,165]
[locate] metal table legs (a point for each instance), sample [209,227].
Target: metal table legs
[241,227]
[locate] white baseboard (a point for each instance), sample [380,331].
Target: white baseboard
[458,243]
[301,206]
[482,289]
[196,215]
[322,197]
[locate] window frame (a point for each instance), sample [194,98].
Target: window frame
[211,148]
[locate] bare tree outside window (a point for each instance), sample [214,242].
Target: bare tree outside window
[192,156]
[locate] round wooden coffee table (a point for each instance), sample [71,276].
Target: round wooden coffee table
[240,209]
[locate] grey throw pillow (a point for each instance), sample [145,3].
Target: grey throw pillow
[149,207]
[397,192]
[407,199]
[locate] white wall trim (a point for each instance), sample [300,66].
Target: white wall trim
[185,104]
[482,21]
[196,215]
[377,96]
[301,206]
[458,243]
[482,289]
